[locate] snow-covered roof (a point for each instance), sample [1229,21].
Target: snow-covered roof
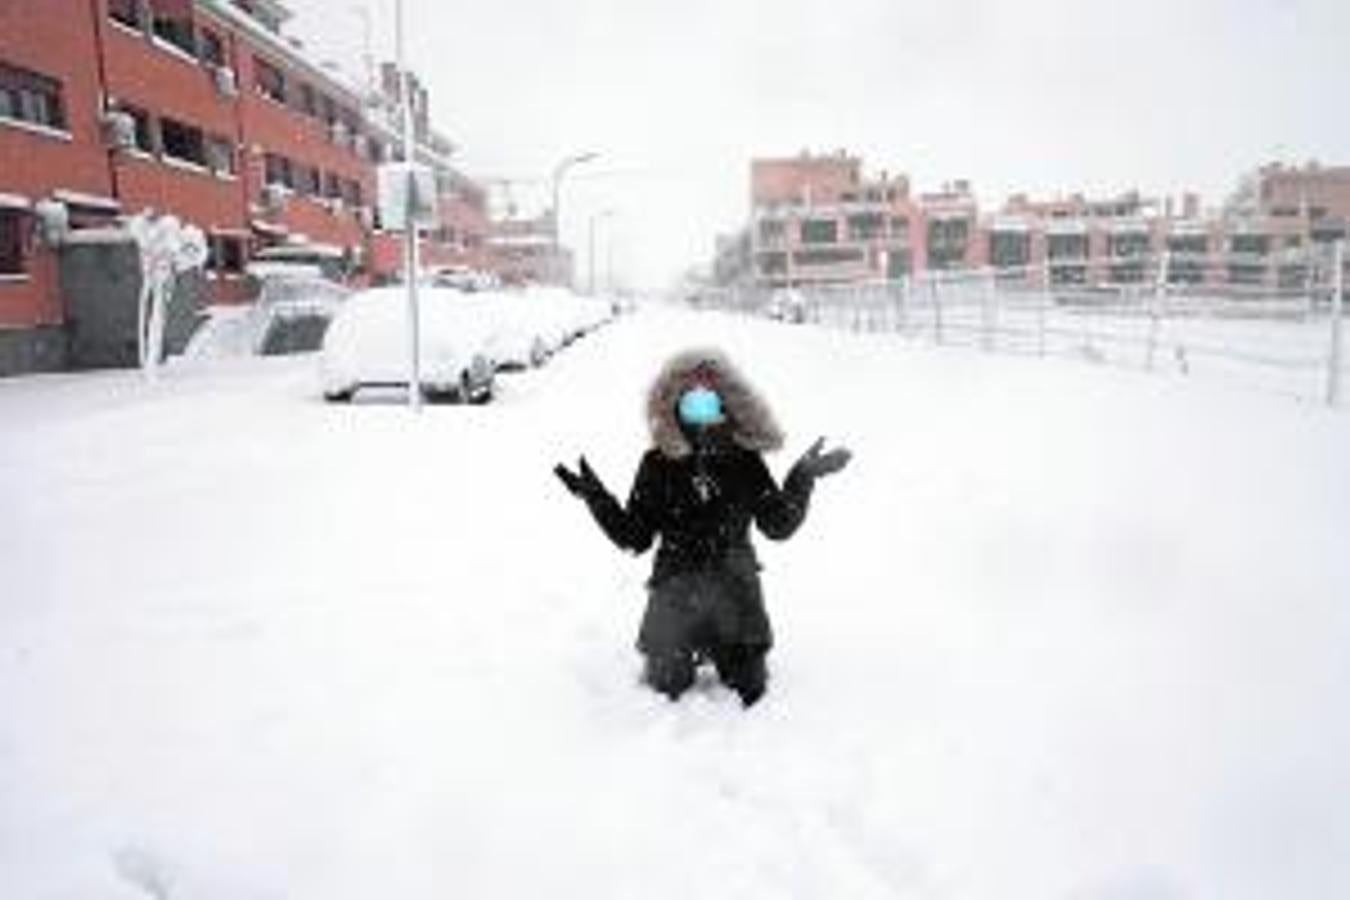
[88,201]
[262,226]
[99,236]
[14,201]
[301,250]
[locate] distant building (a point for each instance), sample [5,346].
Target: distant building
[819,220]
[522,250]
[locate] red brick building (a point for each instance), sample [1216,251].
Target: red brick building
[204,109]
[818,220]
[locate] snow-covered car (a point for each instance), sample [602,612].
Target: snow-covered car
[528,326]
[292,307]
[787,305]
[367,345]
[463,278]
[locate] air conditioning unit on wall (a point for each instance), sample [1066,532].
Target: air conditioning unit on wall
[53,221]
[226,85]
[275,196]
[119,130]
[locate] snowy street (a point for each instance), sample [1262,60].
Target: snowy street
[1059,631]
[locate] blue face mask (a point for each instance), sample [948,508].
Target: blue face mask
[700,406]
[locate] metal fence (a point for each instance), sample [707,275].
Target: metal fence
[1281,335]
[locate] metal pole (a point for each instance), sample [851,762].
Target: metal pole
[1155,308]
[410,226]
[590,257]
[556,262]
[1337,313]
[609,265]
[937,307]
[987,318]
[1042,309]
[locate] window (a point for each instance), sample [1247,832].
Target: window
[1067,246]
[1242,273]
[865,226]
[1255,244]
[171,21]
[1128,244]
[226,254]
[375,151]
[309,100]
[220,154]
[212,48]
[899,228]
[1188,244]
[270,80]
[351,192]
[773,264]
[182,142]
[145,135]
[11,242]
[327,109]
[332,186]
[947,239]
[277,170]
[1009,248]
[820,231]
[125,12]
[827,256]
[307,180]
[30,97]
[771,231]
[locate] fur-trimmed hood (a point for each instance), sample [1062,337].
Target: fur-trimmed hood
[752,422]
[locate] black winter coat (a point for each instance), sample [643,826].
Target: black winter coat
[704,589]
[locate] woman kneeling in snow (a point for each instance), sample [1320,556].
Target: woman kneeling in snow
[699,487]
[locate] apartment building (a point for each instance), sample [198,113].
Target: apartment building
[816,219]
[523,250]
[1261,240]
[207,110]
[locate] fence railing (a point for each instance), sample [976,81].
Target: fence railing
[1279,337]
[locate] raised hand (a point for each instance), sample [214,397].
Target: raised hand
[816,464]
[583,483]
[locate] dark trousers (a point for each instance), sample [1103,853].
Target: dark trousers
[740,667]
[715,614]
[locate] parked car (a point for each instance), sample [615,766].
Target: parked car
[787,305]
[367,345]
[464,278]
[290,311]
[294,307]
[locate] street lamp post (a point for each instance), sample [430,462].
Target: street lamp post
[590,248]
[410,260]
[558,172]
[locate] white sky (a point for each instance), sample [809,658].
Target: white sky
[1047,96]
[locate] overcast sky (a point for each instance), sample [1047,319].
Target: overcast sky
[1047,96]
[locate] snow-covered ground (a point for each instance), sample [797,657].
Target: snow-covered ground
[1060,631]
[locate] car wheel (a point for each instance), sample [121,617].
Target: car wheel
[538,353]
[341,396]
[433,394]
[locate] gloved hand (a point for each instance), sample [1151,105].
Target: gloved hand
[583,483]
[814,464]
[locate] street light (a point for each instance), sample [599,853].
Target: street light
[558,172]
[410,255]
[590,254]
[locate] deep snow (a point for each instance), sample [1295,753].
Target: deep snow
[1059,631]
